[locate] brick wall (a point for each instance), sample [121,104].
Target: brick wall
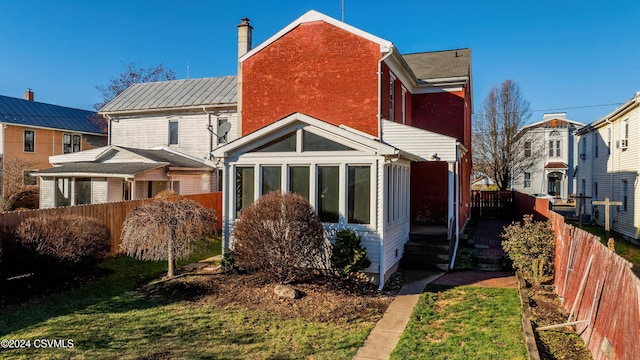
[316,69]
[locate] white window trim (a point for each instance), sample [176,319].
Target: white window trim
[169,133]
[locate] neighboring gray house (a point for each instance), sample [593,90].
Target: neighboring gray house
[609,165]
[161,135]
[551,147]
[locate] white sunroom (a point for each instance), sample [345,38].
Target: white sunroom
[351,179]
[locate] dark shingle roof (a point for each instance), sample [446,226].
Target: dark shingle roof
[174,160]
[101,168]
[440,64]
[32,113]
[175,94]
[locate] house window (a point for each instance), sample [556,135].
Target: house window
[609,141]
[175,187]
[29,141]
[625,129]
[328,193]
[222,138]
[583,155]
[397,193]
[244,188]
[527,179]
[173,132]
[595,144]
[313,142]
[220,179]
[71,143]
[595,191]
[82,191]
[358,193]
[63,192]
[271,179]
[554,148]
[286,143]
[527,149]
[299,181]
[404,105]
[624,195]
[392,96]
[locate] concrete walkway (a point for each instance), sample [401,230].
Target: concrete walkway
[385,335]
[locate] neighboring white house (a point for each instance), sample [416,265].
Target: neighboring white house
[113,173]
[610,165]
[167,128]
[551,146]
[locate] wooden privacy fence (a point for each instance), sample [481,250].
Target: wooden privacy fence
[599,290]
[110,214]
[491,204]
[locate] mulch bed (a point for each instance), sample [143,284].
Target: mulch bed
[324,299]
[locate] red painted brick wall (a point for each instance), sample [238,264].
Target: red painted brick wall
[316,69]
[429,192]
[386,100]
[442,112]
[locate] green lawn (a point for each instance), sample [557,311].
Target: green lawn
[464,323]
[624,248]
[109,319]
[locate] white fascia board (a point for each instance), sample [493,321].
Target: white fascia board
[86,174]
[341,131]
[401,69]
[312,16]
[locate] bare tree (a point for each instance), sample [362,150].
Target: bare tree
[500,151]
[16,181]
[131,74]
[166,230]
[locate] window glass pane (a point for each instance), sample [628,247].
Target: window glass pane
[359,192]
[126,190]
[313,142]
[299,181]
[76,143]
[29,136]
[66,143]
[244,189]
[286,143]
[83,191]
[173,132]
[328,193]
[63,192]
[271,179]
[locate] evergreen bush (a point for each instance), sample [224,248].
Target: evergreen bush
[348,255]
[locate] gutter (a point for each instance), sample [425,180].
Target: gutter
[196,108]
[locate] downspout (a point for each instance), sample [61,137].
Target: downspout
[380,224]
[380,92]
[456,178]
[377,164]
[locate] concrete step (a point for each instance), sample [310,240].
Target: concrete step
[426,255]
[427,237]
[489,267]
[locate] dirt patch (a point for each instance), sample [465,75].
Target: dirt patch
[497,279]
[323,299]
[562,343]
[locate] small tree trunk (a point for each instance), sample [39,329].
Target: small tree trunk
[172,262]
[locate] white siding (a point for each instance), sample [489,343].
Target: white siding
[153,175]
[194,138]
[47,192]
[98,190]
[193,184]
[419,142]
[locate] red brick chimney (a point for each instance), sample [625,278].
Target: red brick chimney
[28,95]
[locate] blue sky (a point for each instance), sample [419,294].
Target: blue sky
[566,55]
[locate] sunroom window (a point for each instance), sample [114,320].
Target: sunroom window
[285,143]
[359,190]
[299,181]
[244,188]
[328,203]
[271,179]
[313,142]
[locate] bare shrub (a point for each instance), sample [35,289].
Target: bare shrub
[68,239]
[281,236]
[165,194]
[530,246]
[167,230]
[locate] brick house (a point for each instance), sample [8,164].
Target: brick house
[377,141]
[32,131]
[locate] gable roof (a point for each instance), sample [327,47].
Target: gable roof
[32,113]
[440,64]
[312,16]
[175,94]
[171,157]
